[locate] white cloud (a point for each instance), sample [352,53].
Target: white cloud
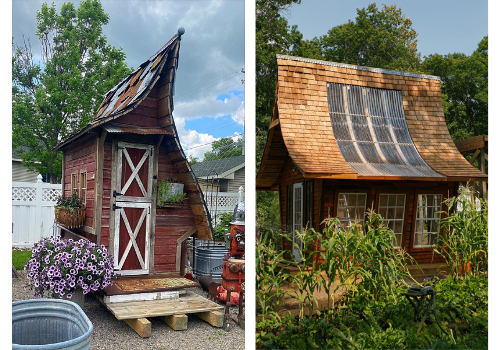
[193,143]
[210,107]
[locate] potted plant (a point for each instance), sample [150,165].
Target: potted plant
[68,269]
[70,211]
[170,192]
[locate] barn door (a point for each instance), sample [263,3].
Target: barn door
[133,199]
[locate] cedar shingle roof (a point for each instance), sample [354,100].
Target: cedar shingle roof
[301,120]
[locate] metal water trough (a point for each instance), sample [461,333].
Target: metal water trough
[207,258]
[50,324]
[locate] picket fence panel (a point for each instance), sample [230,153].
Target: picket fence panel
[33,211]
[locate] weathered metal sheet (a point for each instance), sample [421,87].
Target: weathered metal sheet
[130,91]
[371,131]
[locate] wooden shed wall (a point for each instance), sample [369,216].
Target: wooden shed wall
[81,156]
[171,223]
[325,202]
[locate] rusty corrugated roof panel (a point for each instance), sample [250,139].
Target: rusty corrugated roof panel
[130,91]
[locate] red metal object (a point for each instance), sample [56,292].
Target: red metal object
[233,267]
[233,275]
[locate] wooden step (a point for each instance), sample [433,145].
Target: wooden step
[172,311]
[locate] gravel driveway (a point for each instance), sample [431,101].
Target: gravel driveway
[110,333]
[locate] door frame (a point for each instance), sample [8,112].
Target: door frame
[127,201]
[295,252]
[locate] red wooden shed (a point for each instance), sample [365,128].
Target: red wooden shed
[116,161]
[346,138]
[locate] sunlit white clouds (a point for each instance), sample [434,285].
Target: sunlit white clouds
[211,107]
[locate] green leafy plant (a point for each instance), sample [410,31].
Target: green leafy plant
[464,239]
[71,203]
[223,220]
[166,193]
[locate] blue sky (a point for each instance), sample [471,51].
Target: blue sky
[443,26]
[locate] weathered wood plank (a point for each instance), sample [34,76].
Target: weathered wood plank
[215,318]
[141,325]
[190,303]
[176,322]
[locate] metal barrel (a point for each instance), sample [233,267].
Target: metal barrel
[50,324]
[208,257]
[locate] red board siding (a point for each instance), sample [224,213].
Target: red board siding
[171,223]
[81,156]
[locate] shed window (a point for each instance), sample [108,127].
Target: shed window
[74,183]
[427,220]
[392,209]
[351,208]
[83,186]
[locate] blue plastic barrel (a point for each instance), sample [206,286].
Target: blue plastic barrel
[50,324]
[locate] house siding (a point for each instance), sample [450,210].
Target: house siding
[239,180]
[21,173]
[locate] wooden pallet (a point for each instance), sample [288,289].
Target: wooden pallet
[172,311]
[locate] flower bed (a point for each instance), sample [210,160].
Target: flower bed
[61,267]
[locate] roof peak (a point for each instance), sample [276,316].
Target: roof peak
[361,68]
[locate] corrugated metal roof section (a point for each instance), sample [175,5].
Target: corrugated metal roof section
[371,131]
[119,128]
[131,89]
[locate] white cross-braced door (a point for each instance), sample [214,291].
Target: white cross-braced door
[133,203]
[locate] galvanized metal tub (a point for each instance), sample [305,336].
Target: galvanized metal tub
[206,258]
[50,324]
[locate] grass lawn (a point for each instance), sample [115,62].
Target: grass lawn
[20,258]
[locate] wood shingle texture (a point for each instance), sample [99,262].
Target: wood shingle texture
[301,118]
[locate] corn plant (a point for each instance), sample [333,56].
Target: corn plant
[464,239]
[307,278]
[270,280]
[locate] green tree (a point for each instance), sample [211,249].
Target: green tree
[58,96]
[224,148]
[464,87]
[377,38]
[273,36]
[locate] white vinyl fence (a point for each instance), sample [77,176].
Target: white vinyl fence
[222,202]
[33,211]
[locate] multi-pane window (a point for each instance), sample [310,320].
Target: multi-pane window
[83,186]
[392,209]
[427,221]
[351,208]
[74,183]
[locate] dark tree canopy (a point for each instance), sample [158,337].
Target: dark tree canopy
[59,95]
[464,86]
[224,148]
[376,38]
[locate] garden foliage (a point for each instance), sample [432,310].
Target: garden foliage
[365,278]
